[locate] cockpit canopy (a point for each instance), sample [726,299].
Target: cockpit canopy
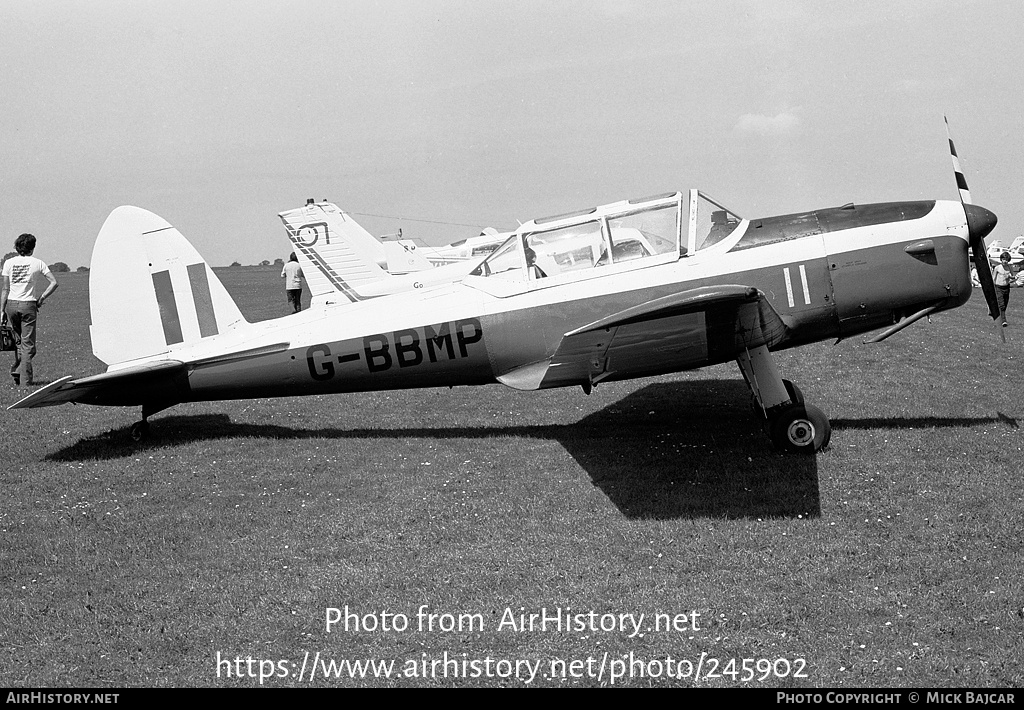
[657,229]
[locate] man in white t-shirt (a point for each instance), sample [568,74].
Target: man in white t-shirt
[19,304]
[292,274]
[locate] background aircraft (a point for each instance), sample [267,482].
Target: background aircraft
[337,256]
[470,249]
[629,289]
[995,251]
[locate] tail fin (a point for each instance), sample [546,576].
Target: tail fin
[150,292]
[335,253]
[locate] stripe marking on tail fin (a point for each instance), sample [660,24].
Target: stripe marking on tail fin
[168,307]
[203,299]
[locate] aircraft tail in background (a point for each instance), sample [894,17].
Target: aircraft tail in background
[337,255]
[341,260]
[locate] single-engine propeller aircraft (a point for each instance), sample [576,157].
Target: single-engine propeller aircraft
[629,289]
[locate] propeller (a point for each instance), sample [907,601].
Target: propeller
[980,222]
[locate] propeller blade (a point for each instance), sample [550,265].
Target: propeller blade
[980,222]
[961,181]
[988,286]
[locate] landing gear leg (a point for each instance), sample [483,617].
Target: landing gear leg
[793,425]
[795,396]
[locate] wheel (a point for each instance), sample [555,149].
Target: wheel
[795,395]
[800,429]
[139,430]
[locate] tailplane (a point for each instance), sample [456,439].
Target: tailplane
[150,292]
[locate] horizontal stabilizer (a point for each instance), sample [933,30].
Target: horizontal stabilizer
[49,396]
[125,387]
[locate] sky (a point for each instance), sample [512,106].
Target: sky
[442,117]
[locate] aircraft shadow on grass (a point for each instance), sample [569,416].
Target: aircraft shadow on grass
[691,449]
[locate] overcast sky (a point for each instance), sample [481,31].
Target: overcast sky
[218,115]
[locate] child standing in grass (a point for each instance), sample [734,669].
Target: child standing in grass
[1003,276]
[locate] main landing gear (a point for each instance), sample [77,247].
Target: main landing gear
[793,425]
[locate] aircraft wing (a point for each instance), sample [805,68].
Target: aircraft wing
[691,328]
[115,388]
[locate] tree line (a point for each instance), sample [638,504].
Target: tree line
[60,267]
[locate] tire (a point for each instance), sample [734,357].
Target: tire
[800,429]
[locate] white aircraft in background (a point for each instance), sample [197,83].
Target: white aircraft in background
[472,248]
[1015,250]
[338,256]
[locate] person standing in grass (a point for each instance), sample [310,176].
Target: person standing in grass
[22,274]
[1003,276]
[292,275]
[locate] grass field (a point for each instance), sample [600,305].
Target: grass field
[893,558]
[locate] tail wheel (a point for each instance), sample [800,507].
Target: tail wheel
[139,431]
[800,429]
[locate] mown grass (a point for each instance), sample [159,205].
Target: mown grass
[891,559]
